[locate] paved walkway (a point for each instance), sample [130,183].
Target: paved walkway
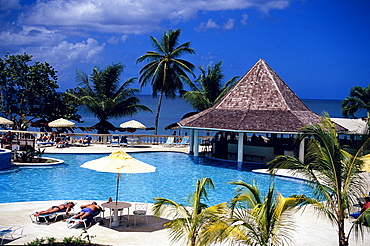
[311,230]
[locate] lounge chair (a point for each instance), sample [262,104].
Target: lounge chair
[114,141]
[48,143]
[184,142]
[84,142]
[169,142]
[61,144]
[9,231]
[49,218]
[123,141]
[75,223]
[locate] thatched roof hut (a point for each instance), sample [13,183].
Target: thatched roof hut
[259,102]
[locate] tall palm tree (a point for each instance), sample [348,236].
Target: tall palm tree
[190,221]
[210,88]
[359,98]
[334,173]
[257,220]
[103,96]
[165,69]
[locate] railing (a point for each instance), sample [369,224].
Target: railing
[23,136]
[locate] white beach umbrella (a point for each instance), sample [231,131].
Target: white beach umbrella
[4,121]
[132,124]
[61,123]
[119,162]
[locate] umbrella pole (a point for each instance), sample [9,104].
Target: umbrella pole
[118,177]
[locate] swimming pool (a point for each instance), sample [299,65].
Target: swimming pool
[174,178]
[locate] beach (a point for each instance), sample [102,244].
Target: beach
[311,229]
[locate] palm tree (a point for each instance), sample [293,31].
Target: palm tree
[165,69]
[334,173]
[257,220]
[359,98]
[190,221]
[210,88]
[103,96]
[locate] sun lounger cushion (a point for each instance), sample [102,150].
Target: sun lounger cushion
[46,218]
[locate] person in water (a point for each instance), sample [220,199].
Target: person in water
[65,207]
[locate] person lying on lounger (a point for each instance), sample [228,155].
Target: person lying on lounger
[364,207]
[60,208]
[89,209]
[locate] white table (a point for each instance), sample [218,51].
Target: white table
[115,207]
[132,141]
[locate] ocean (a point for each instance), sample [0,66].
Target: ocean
[173,110]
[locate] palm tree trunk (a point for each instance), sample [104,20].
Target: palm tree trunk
[343,241]
[157,113]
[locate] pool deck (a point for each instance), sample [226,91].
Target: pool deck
[311,230]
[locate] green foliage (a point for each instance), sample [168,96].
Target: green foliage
[334,173]
[67,241]
[39,152]
[208,88]
[104,97]
[27,156]
[359,98]
[165,70]
[191,221]
[37,241]
[257,220]
[30,91]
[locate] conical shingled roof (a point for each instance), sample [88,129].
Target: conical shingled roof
[260,101]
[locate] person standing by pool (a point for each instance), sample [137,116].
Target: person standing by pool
[60,208]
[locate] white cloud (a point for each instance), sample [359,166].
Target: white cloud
[30,35]
[9,4]
[65,53]
[211,24]
[244,21]
[116,40]
[130,17]
[53,29]
[278,4]
[229,24]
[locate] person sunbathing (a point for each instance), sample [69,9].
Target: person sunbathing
[65,207]
[364,207]
[89,209]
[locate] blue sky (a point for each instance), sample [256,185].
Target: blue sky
[320,48]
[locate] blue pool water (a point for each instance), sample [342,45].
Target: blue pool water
[174,178]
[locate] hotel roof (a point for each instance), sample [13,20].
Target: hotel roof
[259,102]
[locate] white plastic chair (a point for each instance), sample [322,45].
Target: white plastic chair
[184,142]
[140,210]
[169,142]
[114,141]
[9,231]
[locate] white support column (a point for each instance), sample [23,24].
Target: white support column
[240,149]
[301,150]
[240,146]
[191,144]
[196,143]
